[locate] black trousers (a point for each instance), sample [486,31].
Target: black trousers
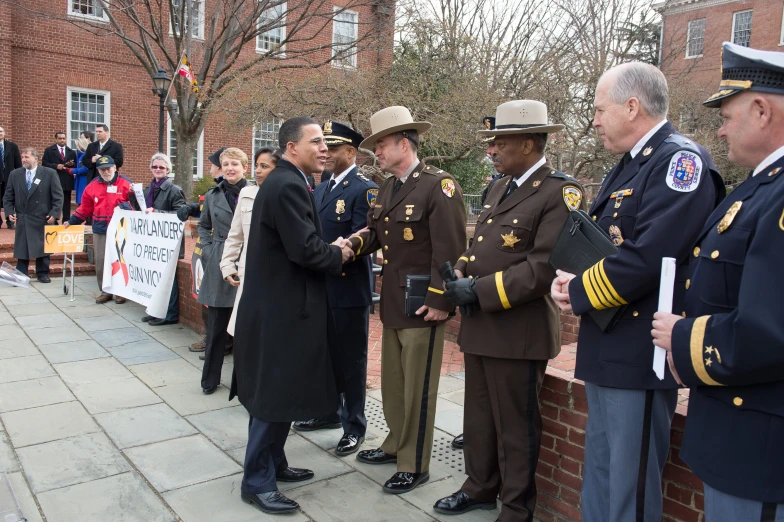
[264,455]
[66,205]
[351,328]
[173,311]
[41,265]
[217,338]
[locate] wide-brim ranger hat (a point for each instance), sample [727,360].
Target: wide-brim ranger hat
[746,69]
[391,120]
[104,162]
[521,117]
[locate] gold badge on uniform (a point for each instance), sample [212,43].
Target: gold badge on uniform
[510,240]
[409,210]
[726,221]
[408,234]
[328,127]
[448,187]
[340,206]
[572,197]
[615,235]
[774,171]
[537,183]
[647,151]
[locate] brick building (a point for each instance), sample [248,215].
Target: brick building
[56,76]
[693,31]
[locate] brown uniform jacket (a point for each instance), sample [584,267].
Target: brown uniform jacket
[419,229]
[509,259]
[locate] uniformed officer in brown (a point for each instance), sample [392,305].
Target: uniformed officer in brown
[418,220]
[505,277]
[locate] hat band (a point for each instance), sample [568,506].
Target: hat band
[752,77]
[517,126]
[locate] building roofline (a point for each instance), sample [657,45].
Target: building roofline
[669,7]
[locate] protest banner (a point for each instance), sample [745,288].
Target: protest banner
[141,257]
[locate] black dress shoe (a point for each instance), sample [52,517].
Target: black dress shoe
[349,443]
[147,318]
[457,442]
[459,503]
[376,456]
[405,482]
[160,322]
[44,279]
[209,391]
[294,475]
[316,424]
[272,502]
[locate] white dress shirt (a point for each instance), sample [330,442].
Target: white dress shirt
[640,144]
[770,159]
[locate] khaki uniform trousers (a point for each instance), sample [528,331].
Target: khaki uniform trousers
[410,371]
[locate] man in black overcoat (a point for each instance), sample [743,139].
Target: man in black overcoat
[283,370]
[10,160]
[62,158]
[102,146]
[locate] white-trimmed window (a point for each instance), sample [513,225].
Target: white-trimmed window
[271,39]
[695,40]
[741,27]
[198,151]
[781,41]
[90,9]
[194,16]
[265,134]
[86,109]
[345,33]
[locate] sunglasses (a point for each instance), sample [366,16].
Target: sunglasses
[156,167]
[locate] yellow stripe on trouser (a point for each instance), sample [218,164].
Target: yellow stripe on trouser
[697,342]
[499,284]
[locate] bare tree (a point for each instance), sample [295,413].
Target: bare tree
[216,37]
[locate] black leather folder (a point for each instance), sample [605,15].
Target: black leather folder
[416,290]
[581,245]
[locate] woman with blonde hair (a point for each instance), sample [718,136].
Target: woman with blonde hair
[80,172]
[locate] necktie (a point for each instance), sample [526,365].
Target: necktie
[627,158]
[512,187]
[330,185]
[29,179]
[62,154]
[2,156]
[397,186]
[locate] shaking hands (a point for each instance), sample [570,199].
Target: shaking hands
[345,248]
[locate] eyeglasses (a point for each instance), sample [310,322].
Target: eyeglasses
[156,167]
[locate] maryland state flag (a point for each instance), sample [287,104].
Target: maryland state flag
[186,71]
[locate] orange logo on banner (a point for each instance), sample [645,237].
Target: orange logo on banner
[58,239]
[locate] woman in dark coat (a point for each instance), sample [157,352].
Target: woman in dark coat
[161,195]
[214,225]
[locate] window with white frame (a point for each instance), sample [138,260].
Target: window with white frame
[265,134]
[198,152]
[86,9]
[741,27]
[272,38]
[695,40]
[781,42]
[345,32]
[193,12]
[86,109]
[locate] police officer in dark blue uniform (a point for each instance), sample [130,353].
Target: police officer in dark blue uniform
[730,348]
[652,204]
[343,204]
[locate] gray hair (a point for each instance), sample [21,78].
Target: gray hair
[163,157]
[81,143]
[31,151]
[644,82]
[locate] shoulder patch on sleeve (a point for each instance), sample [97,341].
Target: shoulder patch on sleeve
[684,172]
[572,197]
[448,187]
[372,195]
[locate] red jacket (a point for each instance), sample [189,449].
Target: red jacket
[99,202]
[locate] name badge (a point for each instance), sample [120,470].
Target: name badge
[37,181]
[111,190]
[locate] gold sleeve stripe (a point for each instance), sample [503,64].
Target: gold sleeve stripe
[601,292]
[499,284]
[589,290]
[610,287]
[609,300]
[361,244]
[463,258]
[697,342]
[434,290]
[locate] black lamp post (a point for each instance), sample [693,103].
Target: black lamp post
[161,81]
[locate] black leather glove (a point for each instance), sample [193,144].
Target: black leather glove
[186,211]
[461,292]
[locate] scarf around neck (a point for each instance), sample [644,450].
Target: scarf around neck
[232,192]
[155,186]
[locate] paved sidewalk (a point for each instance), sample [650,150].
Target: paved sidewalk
[103,420]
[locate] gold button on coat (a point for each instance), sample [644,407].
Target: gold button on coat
[479,239]
[386,247]
[594,218]
[696,251]
[343,274]
[490,220]
[472,258]
[688,283]
[514,221]
[470,277]
[386,232]
[714,254]
[737,401]
[635,314]
[683,314]
[386,261]
[615,214]
[386,219]
[338,218]
[406,219]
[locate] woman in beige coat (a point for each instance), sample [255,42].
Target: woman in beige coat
[232,263]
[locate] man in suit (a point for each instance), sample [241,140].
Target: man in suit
[283,370]
[652,205]
[511,328]
[418,220]
[102,146]
[32,200]
[729,348]
[62,159]
[10,160]
[343,203]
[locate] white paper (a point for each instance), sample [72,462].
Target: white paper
[666,288]
[138,189]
